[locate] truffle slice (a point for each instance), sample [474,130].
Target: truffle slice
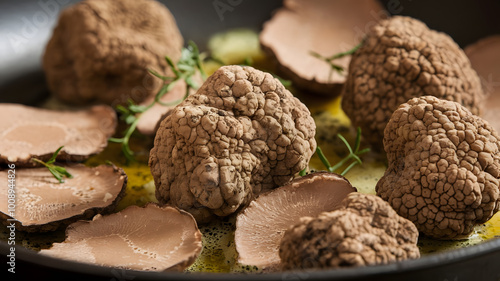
[44,204]
[28,132]
[444,167]
[260,227]
[365,230]
[400,59]
[323,26]
[148,121]
[101,51]
[484,56]
[150,238]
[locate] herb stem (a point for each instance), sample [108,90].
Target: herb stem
[57,171]
[187,67]
[329,60]
[353,155]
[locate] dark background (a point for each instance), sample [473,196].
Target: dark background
[26,26]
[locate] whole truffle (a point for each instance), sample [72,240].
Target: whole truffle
[101,51]
[444,167]
[365,230]
[401,58]
[241,133]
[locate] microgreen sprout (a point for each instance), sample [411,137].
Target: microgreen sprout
[330,60]
[57,171]
[186,69]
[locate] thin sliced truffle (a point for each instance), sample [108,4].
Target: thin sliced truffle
[323,26]
[44,204]
[28,132]
[400,59]
[240,134]
[365,230]
[260,227]
[101,51]
[148,121]
[444,167]
[484,56]
[150,238]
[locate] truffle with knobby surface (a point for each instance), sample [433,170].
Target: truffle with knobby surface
[364,230]
[28,132]
[152,238]
[401,58]
[241,133]
[100,51]
[44,204]
[260,227]
[444,167]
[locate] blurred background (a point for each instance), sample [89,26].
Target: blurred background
[26,26]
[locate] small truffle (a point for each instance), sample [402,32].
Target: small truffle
[444,167]
[101,51]
[241,133]
[365,230]
[44,204]
[324,26]
[260,227]
[401,58]
[149,239]
[28,132]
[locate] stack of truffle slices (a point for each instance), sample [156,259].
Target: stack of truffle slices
[38,202]
[98,73]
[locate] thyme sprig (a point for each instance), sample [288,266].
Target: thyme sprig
[330,60]
[186,69]
[57,171]
[354,153]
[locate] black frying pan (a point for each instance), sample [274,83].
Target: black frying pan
[26,25]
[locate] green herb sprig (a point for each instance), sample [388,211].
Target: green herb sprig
[330,60]
[353,156]
[186,69]
[57,171]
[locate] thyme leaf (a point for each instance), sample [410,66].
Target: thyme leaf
[57,171]
[330,60]
[353,155]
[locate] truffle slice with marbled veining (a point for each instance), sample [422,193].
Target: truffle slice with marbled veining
[322,26]
[260,227]
[150,238]
[44,204]
[28,132]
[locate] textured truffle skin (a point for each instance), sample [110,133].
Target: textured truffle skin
[241,133]
[101,51]
[401,58]
[365,230]
[444,167]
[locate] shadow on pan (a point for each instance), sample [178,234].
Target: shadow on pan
[26,25]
